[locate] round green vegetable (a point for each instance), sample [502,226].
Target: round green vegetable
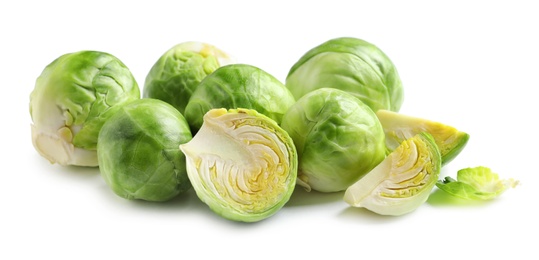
[138,151]
[241,164]
[338,138]
[352,65]
[176,74]
[72,98]
[238,86]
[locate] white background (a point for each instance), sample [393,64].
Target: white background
[469,64]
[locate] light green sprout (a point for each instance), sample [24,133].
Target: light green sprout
[139,154]
[177,73]
[72,99]
[338,138]
[352,65]
[239,86]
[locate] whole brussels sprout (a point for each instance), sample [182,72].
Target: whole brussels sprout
[238,86]
[72,98]
[338,139]
[139,154]
[352,65]
[174,77]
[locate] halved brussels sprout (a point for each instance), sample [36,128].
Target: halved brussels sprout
[174,77]
[139,154]
[238,86]
[401,182]
[338,138]
[399,127]
[352,65]
[241,164]
[72,98]
[478,183]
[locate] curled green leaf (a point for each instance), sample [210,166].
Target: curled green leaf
[478,183]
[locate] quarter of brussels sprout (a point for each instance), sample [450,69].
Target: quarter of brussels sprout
[338,139]
[139,154]
[72,98]
[352,65]
[241,164]
[238,86]
[399,127]
[402,181]
[176,74]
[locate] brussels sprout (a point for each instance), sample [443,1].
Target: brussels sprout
[241,164]
[174,77]
[401,182]
[238,86]
[338,138]
[139,154]
[478,183]
[351,65]
[399,127]
[72,98]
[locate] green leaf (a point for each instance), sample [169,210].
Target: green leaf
[478,183]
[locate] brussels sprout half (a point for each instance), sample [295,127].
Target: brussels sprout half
[72,98]
[401,182]
[238,86]
[338,138]
[241,164]
[139,154]
[352,65]
[174,77]
[399,127]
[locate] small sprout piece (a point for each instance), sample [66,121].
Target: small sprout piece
[399,127]
[239,86]
[241,164]
[72,98]
[352,65]
[174,77]
[338,138]
[478,183]
[400,183]
[139,154]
